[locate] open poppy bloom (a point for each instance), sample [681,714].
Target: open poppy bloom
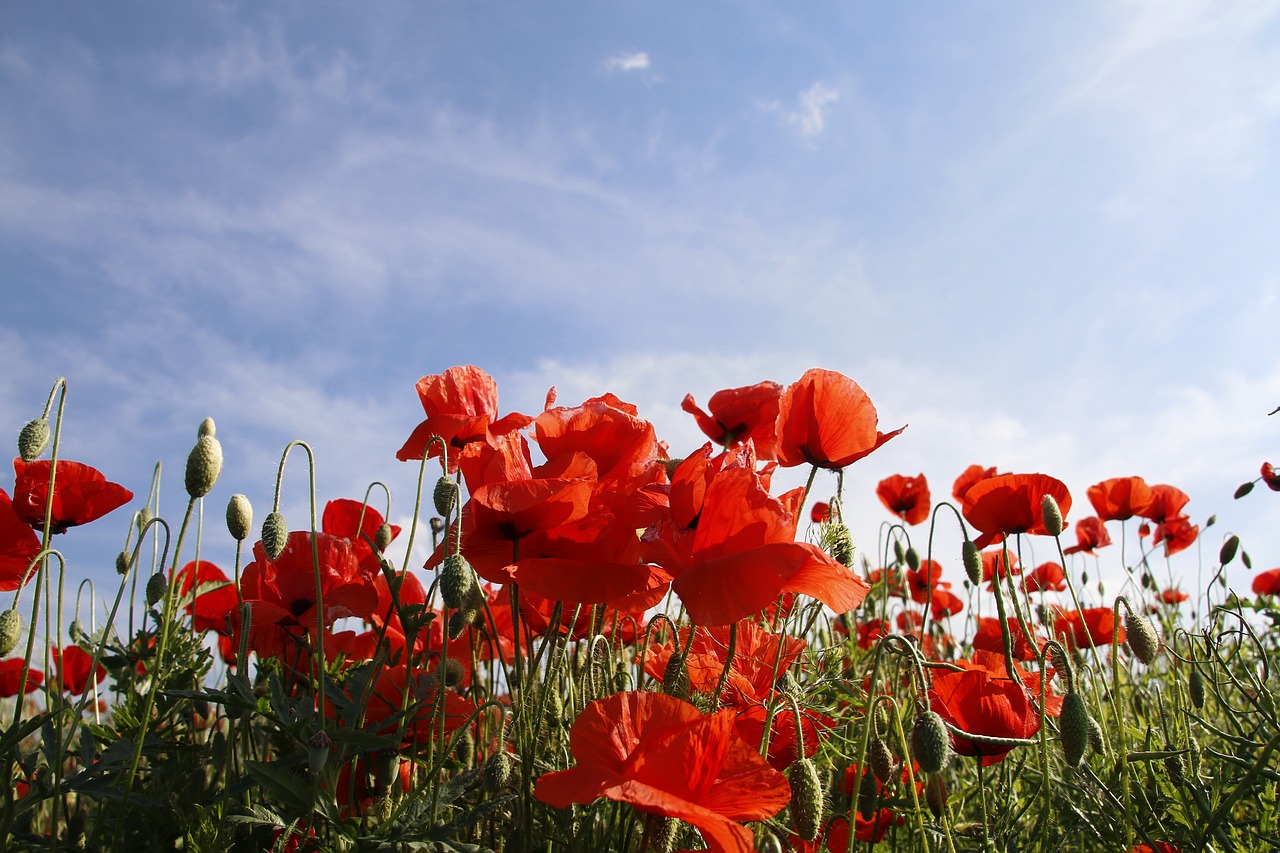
[11,676]
[826,419]
[1091,533]
[80,494]
[1120,498]
[663,756]
[1174,596]
[1092,626]
[215,596]
[988,638]
[72,664]
[1267,583]
[905,497]
[1166,503]
[978,701]
[462,408]
[1011,504]
[18,546]
[1048,577]
[1177,533]
[1270,477]
[358,523]
[738,414]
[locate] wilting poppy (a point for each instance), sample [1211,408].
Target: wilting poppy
[72,664]
[967,478]
[1177,533]
[80,494]
[1091,533]
[11,676]
[977,701]
[1011,504]
[1267,583]
[18,546]
[1091,626]
[826,419]
[1047,577]
[1166,503]
[461,405]
[663,756]
[212,604]
[905,497]
[739,414]
[1120,498]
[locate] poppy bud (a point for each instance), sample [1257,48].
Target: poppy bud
[664,832]
[1073,724]
[1061,663]
[1244,489]
[1176,767]
[498,772]
[1228,550]
[1211,520]
[838,542]
[1194,756]
[930,742]
[382,538]
[456,580]
[913,559]
[33,439]
[437,525]
[122,563]
[1084,577]
[806,798]
[675,678]
[386,764]
[1096,742]
[880,757]
[156,586]
[204,464]
[452,672]
[318,746]
[465,748]
[444,495]
[1142,638]
[275,535]
[935,795]
[972,562]
[76,631]
[207,429]
[1195,686]
[460,620]
[1244,558]
[898,554]
[1051,514]
[239,517]
[10,631]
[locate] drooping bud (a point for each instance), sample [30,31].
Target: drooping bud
[972,562]
[1051,514]
[498,771]
[1244,558]
[239,517]
[76,631]
[456,580]
[1228,551]
[1195,686]
[881,759]
[1244,489]
[1096,741]
[204,463]
[275,535]
[1073,723]
[122,563]
[913,559]
[459,621]
[1142,638]
[33,439]
[935,795]
[838,542]
[930,742]
[382,537]
[10,631]
[898,553]
[318,746]
[156,586]
[445,495]
[437,525]
[452,672]
[806,798]
[675,677]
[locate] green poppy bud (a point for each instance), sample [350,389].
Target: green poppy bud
[806,798]
[275,535]
[1244,489]
[881,759]
[122,563]
[1228,550]
[930,742]
[935,795]
[318,746]
[1073,724]
[239,517]
[913,559]
[156,586]
[1051,514]
[1142,638]
[33,439]
[382,538]
[445,495]
[1195,686]
[456,580]
[972,562]
[10,631]
[204,464]
[498,771]
[675,678]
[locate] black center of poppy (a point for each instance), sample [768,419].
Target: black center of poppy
[300,606]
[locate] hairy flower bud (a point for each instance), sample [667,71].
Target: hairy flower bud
[1195,686]
[838,542]
[806,798]
[498,771]
[1228,551]
[456,580]
[445,495]
[451,672]
[275,535]
[10,631]
[122,563]
[1244,489]
[207,429]
[33,439]
[239,517]
[935,795]
[913,559]
[675,677]
[1073,723]
[1051,513]
[156,586]
[1142,638]
[930,742]
[204,464]
[972,562]
[881,759]
[382,537]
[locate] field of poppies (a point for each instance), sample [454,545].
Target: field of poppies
[620,645]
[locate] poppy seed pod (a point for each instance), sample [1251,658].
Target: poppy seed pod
[382,537]
[10,631]
[1142,638]
[1052,515]
[156,586]
[33,439]
[239,517]
[318,746]
[386,764]
[1228,550]
[1073,723]
[930,742]
[456,580]
[275,535]
[972,562]
[445,495]
[806,798]
[204,464]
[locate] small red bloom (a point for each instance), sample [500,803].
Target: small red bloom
[925,582]
[1166,503]
[1091,533]
[80,494]
[1175,596]
[11,675]
[1270,477]
[826,419]
[212,606]
[820,512]
[967,478]
[1048,577]
[1120,498]
[1011,504]
[1094,625]
[462,408]
[739,414]
[997,562]
[72,664]
[1267,583]
[358,523]
[905,497]
[988,638]
[18,546]
[664,757]
[1177,533]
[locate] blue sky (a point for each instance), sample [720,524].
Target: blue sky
[1044,237]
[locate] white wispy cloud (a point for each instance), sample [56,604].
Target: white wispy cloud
[807,115]
[638,61]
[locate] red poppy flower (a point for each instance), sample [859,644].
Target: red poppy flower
[820,512]
[755,658]
[11,676]
[977,701]
[1177,533]
[18,546]
[988,638]
[945,603]
[997,562]
[610,432]
[925,581]
[1094,625]
[462,408]
[80,494]
[389,690]
[664,757]
[1267,583]
[1270,477]
[1011,504]
[739,414]
[1175,596]
[212,604]
[1161,847]
[72,665]
[967,478]
[1166,503]
[1120,498]
[905,497]
[1091,533]
[1048,577]
[826,419]
[358,523]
